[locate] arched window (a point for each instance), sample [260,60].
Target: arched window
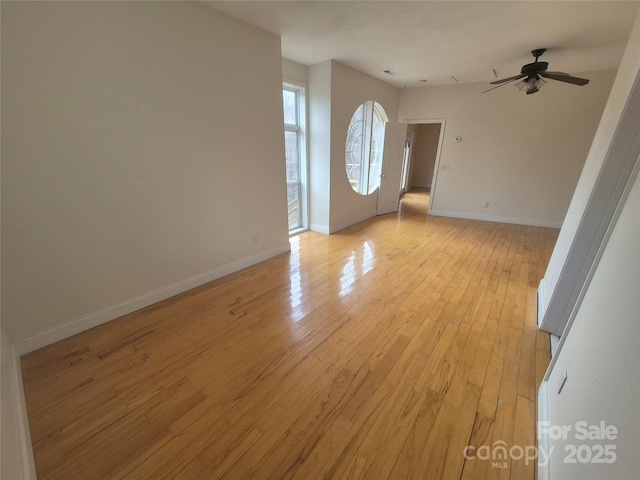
[365,142]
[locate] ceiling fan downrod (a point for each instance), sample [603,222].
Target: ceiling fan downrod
[538,52]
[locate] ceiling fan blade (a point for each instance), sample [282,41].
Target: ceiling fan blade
[563,77]
[503,84]
[508,79]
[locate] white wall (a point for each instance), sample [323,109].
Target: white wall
[294,72]
[335,91]
[521,153]
[349,89]
[16,454]
[601,357]
[596,194]
[140,155]
[319,145]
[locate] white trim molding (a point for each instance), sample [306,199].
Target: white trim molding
[495,218]
[542,300]
[28,462]
[16,425]
[319,228]
[330,230]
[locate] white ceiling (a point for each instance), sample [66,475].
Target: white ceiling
[435,40]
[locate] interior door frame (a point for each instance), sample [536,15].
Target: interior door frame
[436,164]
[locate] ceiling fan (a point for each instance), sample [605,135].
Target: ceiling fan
[533,74]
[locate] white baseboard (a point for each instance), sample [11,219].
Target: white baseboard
[351,222]
[319,228]
[341,226]
[496,218]
[78,325]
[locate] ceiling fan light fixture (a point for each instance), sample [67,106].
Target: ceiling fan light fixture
[531,84]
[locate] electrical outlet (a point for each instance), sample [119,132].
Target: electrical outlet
[255,238]
[485,205]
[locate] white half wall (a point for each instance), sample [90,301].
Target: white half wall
[139,157]
[521,153]
[600,357]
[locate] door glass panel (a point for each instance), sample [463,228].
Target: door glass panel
[377,147]
[293,179]
[355,146]
[293,205]
[291,148]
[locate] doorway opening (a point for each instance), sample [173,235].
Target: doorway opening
[415,201]
[422,158]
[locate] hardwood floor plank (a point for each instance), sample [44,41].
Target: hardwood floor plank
[480,438]
[501,437]
[443,452]
[298,430]
[381,351]
[523,462]
[412,453]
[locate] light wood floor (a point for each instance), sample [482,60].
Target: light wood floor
[378,352]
